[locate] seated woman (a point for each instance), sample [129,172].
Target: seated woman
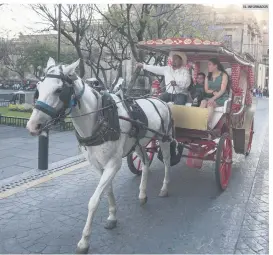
[216,87]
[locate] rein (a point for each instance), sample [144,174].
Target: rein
[67,96]
[70,100]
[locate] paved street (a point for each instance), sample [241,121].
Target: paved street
[19,150]
[195,218]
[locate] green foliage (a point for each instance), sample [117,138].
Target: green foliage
[37,55]
[5,111]
[20,107]
[32,57]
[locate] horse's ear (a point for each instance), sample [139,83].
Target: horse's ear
[70,69]
[50,62]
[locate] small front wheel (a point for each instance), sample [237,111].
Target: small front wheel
[223,163]
[135,163]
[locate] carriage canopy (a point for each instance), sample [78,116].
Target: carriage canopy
[195,49]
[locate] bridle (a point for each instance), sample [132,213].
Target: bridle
[67,96]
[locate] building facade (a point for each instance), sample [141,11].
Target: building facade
[244,34]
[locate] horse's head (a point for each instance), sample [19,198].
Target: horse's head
[55,94]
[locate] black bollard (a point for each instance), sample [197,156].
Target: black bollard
[43,151]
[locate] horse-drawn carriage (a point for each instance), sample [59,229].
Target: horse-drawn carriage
[232,124]
[107,131]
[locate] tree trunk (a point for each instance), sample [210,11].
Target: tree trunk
[119,74]
[97,77]
[104,78]
[81,66]
[136,73]
[133,81]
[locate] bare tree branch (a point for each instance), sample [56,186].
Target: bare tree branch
[77,20]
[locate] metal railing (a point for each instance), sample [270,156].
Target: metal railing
[13,121]
[22,122]
[64,126]
[4,104]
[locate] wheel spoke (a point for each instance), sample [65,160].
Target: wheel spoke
[225,164]
[135,162]
[223,175]
[138,166]
[227,156]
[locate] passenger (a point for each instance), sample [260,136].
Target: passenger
[216,87]
[197,90]
[177,78]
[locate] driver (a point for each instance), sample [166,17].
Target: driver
[177,78]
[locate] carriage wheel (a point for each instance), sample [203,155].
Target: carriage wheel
[135,163]
[223,161]
[250,138]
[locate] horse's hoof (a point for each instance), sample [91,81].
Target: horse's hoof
[82,251]
[110,224]
[143,201]
[163,193]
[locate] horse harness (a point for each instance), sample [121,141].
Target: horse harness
[107,127]
[67,96]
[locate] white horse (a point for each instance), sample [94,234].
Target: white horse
[107,157]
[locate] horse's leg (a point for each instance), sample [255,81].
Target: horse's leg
[111,220]
[108,174]
[165,148]
[141,152]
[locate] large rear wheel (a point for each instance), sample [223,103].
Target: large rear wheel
[223,163]
[135,163]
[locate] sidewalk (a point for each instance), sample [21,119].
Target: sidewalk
[254,234]
[19,150]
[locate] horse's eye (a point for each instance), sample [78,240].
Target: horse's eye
[58,91]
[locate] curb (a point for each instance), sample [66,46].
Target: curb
[34,174]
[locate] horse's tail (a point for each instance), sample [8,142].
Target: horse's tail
[170,128]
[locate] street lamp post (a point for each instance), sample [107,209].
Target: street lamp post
[59,32]
[44,137]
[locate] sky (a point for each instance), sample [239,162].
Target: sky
[15,18]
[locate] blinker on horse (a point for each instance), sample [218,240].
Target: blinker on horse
[62,92]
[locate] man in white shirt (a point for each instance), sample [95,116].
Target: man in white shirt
[177,78]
